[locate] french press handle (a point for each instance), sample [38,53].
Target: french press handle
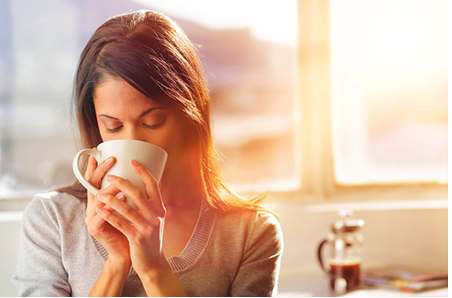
[319,255]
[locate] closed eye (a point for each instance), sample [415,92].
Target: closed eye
[155,126]
[114,130]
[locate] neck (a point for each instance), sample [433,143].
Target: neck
[182,187]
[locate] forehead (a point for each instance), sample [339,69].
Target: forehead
[115,94]
[112,89]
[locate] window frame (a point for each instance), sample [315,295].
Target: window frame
[314,133]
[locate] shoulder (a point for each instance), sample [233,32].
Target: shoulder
[267,232]
[54,206]
[250,219]
[49,242]
[266,219]
[254,226]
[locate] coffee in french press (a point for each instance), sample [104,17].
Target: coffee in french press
[344,263]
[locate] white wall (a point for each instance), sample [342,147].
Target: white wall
[9,237]
[412,238]
[417,238]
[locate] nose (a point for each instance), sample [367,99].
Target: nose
[134,132]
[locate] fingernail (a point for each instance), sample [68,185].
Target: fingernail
[99,210]
[101,196]
[109,160]
[111,177]
[121,197]
[134,162]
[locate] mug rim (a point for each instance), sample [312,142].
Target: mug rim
[133,141]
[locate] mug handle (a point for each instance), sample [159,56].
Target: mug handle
[75,167]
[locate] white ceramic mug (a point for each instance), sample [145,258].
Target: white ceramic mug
[151,156]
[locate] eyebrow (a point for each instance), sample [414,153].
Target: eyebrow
[142,114]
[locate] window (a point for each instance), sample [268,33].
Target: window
[389,90]
[348,142]
[249,61]
[38,55]
[310,99]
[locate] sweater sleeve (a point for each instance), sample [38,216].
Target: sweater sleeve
[258,273]
[40,270]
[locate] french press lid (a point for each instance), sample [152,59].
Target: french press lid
[345,224]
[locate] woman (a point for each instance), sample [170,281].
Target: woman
[139,77]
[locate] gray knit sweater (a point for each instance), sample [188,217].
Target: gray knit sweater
[232,254]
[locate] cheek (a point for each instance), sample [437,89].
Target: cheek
[104,136]
[107,136]
[179,144]
[174,143]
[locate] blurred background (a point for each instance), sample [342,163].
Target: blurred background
[250,68]
[388,81]
[384,115]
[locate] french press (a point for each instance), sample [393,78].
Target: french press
[345,242]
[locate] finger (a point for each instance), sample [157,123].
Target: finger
[91,214]
[151,186]
[117,222]
[133,192]
[110,190]
[91,209]
[98,225]
[96,176]
[107,206]
[149,181]
[92,165]
[118,204]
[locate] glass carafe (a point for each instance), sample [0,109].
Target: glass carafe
[345,248]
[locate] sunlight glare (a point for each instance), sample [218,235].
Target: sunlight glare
[396,43]
[264,17]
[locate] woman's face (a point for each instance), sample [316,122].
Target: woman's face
[125,113]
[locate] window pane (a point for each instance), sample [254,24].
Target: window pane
[249,56]
[249,65]
[38,54]
[389,90]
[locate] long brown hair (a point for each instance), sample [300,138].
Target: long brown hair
[153,54]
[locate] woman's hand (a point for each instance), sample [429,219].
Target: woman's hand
[144,232]
[111,239]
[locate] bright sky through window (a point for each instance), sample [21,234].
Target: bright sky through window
[258,15]
[389,90]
